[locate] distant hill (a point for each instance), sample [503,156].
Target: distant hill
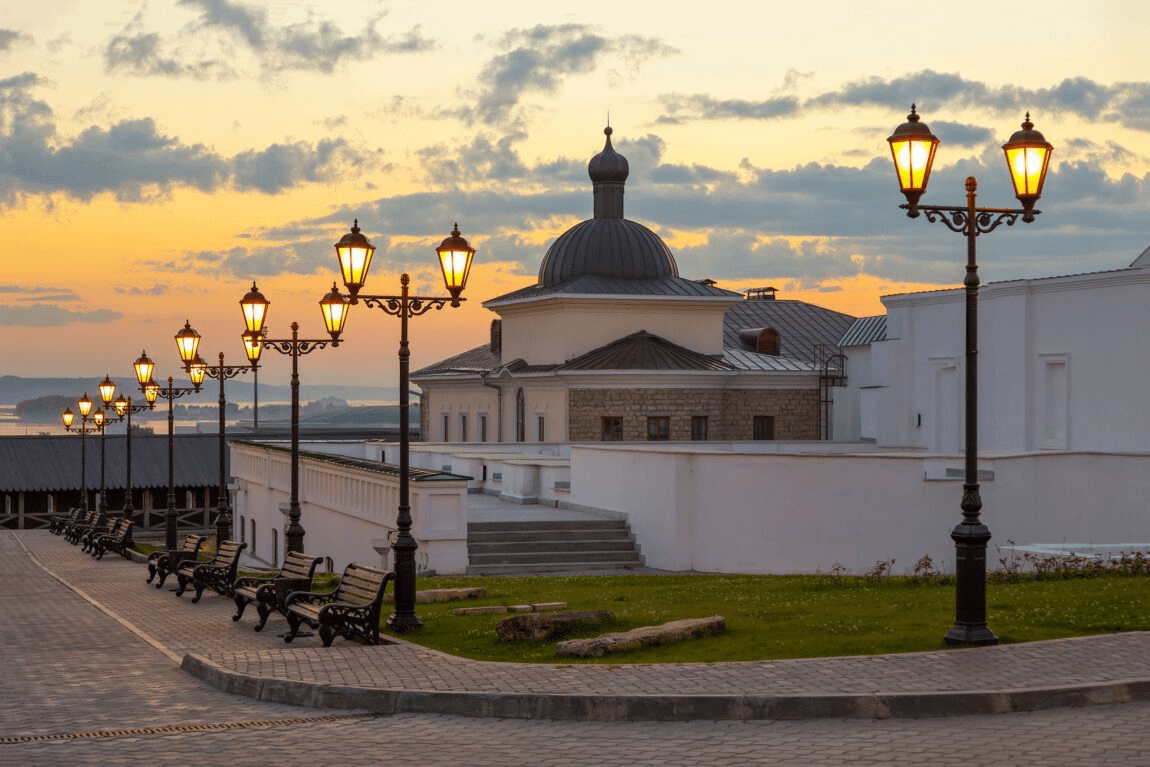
[15,389]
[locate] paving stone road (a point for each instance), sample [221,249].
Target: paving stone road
[81,688]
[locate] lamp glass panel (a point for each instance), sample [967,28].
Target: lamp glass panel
[99,418]
[144,368]
[107,390]
[253,347]
[255,308]
[188,343]
[85,403]
[456,266]
[912,160]
[334,309]
[151,392]
[354,261]
[1027,169]
[68,417]
[122,405]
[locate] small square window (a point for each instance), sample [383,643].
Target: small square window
[659,427]
[699,427]
[612,429]
[764,427]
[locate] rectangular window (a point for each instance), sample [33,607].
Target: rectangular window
[659,427]
[446,428]
[764,427]
[612,429]
[462,428]
[482,428]
[541,422]
[699,427]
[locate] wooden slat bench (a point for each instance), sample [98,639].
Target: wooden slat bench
[57,522]
[118,539]
[269,592]
[164,563]
[218,574]
[78,529]
[350,610]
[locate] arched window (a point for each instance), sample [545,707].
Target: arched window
[768,342]
[520,416]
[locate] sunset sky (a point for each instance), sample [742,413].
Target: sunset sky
[157,157]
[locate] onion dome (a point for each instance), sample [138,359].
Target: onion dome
[607,245]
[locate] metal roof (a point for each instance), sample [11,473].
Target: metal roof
[52,463]
[644,351]
[801,326]
[740,359]
[865,331]
[599,285]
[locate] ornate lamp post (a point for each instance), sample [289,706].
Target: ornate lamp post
[85,406]
[107,391]
[1027,156]
[188,342]
[255,306]
[152,391]
[124,409]
[455,255]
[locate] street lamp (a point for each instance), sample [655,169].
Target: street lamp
[255,306]
[1027,157]
[188,342]
[107,391]
[152,391]
[85,407]
[124,409]
[455,256]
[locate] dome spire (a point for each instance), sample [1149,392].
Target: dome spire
[608,171]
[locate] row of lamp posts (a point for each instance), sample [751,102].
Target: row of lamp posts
[354,253]
[913,149]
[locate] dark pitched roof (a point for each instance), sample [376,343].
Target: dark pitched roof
[598,285]
[644,351]
[801,326]
[51,463]
[478,360]
[864,331]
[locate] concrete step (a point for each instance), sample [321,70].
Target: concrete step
[549,546]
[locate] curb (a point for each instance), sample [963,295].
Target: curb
[663,708]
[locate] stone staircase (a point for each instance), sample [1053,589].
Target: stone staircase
[509,548]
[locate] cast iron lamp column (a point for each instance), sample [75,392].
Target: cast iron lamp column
[85,405]
[152,391]
[188,342]
[1027,156]
[455,255]
[124,409]
[255,306]
[107,391]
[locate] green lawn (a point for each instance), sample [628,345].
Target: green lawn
[772,617]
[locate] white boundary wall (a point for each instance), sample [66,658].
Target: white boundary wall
[760,513]
[347,509]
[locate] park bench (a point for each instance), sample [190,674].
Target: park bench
[269,592]
[218,574]
[350,610]
[57,522]
[88,538]
[78,529]
[164,563]
[118,539]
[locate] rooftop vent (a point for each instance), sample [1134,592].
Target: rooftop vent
[760,294]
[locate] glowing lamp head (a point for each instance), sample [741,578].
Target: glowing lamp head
[107,391]
[255,308]
[253,346]
[912,146]
[68,416]
[354,253]
[144,368]
[122,404]
[188,343]
[1028,157]
[334,307]
[151,392]
[197,371]
[85,404]
[100,418]
[455,256]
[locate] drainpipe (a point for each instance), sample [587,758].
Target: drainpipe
[498,404]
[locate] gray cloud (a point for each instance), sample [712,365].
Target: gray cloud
[50,314]
[539,59]
[1126,103]
[9,38]
[206,48]
[134,160]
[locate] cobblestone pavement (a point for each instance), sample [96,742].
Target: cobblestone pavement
[93,678]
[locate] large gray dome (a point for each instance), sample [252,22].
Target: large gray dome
[607,245]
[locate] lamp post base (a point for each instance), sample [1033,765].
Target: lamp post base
[970,635]
[970,539]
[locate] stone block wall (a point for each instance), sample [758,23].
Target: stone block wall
[730,413]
